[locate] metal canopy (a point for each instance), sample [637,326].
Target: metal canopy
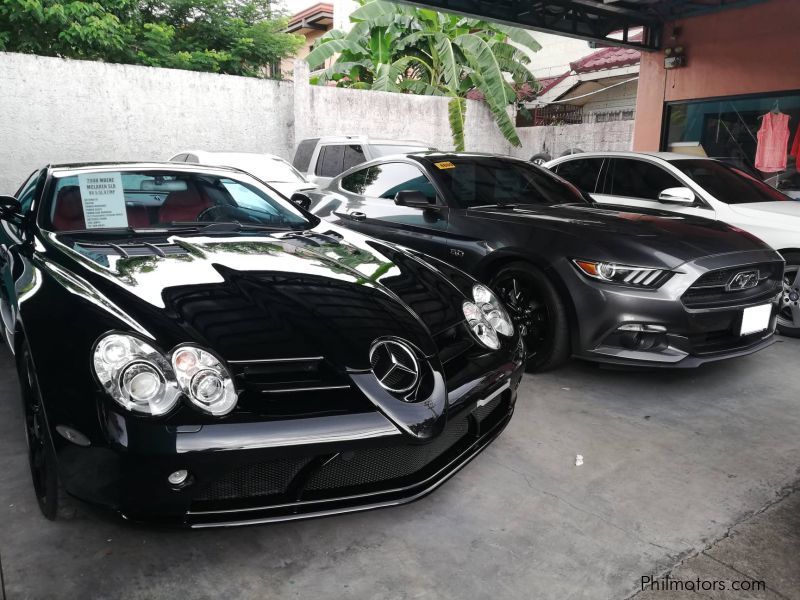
[594,20]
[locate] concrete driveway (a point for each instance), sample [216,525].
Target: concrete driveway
[672,461]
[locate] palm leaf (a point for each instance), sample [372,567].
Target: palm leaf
[450,69]
[336,46]
[518,36]
[456,113]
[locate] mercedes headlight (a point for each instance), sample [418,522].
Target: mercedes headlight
[135,375]
[486,317]
[493,310]
[204,380]
[642,277]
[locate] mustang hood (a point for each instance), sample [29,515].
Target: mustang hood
[631,237]
[255,297]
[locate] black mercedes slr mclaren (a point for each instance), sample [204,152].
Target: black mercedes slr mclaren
[194,349]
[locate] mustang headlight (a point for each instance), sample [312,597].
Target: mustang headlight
[493,310]
[135,374]
[642,277]
[204,379]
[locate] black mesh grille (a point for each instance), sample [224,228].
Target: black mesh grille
[260,479]
[381,464]
[710,290]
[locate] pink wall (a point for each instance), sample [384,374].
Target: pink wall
[738,51]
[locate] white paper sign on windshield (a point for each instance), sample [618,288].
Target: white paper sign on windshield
[103,200]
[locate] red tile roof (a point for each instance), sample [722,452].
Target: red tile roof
[607,58]
[548,83]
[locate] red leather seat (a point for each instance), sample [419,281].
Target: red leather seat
[137,216]
[182,206]
[68,214]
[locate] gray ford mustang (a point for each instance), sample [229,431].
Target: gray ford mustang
[604,283]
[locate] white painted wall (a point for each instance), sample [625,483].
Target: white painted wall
[55,110]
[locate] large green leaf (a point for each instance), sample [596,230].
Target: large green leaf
[499,111]
[379,8]
[519,36]
[380,46]
[483,61]
[456,113]
[336,46]
[451,72]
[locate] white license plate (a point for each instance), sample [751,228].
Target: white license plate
[755,318]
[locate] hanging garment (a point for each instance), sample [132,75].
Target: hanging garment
[773,140]
[795,151]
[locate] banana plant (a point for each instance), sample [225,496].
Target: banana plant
[401,48]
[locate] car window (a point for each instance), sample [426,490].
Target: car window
[481,181]
[178,158]
[638,179]
[384,181]
[726,183]
[353,155]
[192,158]
[329,163]
[159,198]
[28,190]
[302,156]
[582,173]
[355,182]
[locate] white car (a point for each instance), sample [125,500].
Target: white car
[269,168]
[699,186]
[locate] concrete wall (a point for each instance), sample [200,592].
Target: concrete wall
[54,110]
[747,50]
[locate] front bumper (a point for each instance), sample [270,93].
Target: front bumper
[259,472]
[685,336]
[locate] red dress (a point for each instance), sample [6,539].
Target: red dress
[773,141]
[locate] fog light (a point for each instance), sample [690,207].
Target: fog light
[179,477]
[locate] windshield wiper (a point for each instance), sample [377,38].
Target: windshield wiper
[496,205]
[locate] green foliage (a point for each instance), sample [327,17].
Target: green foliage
[401,48]
[238,37]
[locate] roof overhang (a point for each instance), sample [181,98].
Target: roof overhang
[608,22]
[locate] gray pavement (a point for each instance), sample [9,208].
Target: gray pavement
[674,462]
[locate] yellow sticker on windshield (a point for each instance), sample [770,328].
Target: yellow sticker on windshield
[445,165]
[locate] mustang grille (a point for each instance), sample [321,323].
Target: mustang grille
[711,289]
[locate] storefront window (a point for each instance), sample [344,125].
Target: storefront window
[727,129]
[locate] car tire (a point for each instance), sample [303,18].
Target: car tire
[789,315]
[41,452]
[536,308]
[541,158]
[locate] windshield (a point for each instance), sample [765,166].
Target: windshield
[726,183]
[266,168]
[493,181]
[162,199]
[387,149]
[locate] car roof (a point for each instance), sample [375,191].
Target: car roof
[426,155]
[365,139]
[213,153]
[667,156]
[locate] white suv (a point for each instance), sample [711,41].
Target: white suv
[322,159]
[698,186]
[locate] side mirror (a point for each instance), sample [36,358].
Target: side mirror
[301,200]
[677,195]
[10,208]
[413,199]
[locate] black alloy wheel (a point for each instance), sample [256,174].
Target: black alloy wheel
[41,453]
[789,311]
[538,314]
